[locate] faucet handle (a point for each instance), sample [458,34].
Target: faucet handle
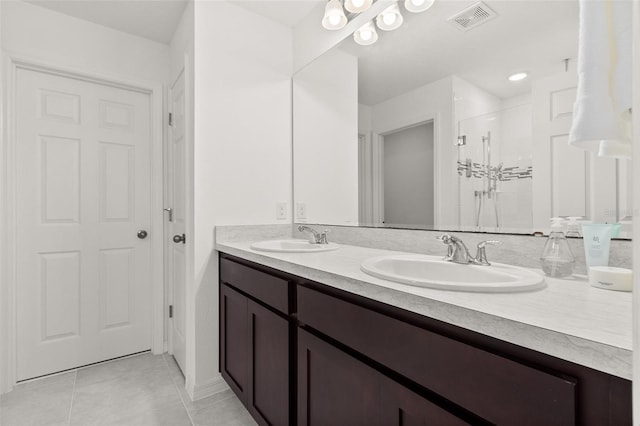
[445,238]
[481,254]
[449,241]
[323,237]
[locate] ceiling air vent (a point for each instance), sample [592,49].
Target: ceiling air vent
[471,17]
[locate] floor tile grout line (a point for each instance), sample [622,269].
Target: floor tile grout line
[166,363]
[73,394]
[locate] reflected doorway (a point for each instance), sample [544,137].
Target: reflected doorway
[397,176]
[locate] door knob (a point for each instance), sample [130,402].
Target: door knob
[142,234]
[179,239]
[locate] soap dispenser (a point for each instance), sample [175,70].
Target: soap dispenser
[573,228]
[557,260]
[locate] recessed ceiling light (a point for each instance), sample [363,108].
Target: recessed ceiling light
[518,76]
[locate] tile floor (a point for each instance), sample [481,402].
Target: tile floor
[143,390]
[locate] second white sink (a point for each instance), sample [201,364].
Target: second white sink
[293,246]
[433,272]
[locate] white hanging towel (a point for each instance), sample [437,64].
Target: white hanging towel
[602,112]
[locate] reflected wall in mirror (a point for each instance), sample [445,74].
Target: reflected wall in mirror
[424,130]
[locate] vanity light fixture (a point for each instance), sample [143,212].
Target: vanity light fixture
[366,34]
[390,18]
[334,17]
[518,76]
[416,6]
[357,6]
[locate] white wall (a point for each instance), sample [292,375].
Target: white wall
[46,36]
[242,148]
[365,122]
[636,213]
[433,101]
[325,99]
[4,293]
[472,101]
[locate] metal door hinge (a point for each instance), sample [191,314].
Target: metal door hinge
[170,311]
[170,211]
[171,119]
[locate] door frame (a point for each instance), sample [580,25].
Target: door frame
[378,160]
[8,329]
[168,265]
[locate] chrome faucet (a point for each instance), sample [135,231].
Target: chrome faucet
[481,254]
[458,252]
[315,237]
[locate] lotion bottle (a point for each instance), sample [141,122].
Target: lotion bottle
[557,260]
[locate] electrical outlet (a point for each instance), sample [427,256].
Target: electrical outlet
[301,211]
[281,211]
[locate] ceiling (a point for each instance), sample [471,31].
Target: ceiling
[286,12]
[152,19]
[530,35]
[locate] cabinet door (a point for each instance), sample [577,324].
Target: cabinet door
[268,396]
[337,389]
[234,350]
[406,408]
[333,388]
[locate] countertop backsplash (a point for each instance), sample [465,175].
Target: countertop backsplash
[519,250]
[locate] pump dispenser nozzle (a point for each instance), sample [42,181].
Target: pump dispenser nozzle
[573,227]
[557,260]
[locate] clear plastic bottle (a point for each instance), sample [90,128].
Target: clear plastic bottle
[557,260]
[573,228]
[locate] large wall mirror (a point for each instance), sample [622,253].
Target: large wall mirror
[424,129]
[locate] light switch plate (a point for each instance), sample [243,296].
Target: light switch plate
[301,211]
[281,211]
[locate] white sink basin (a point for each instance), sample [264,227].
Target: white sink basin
[293,246]
[433,272]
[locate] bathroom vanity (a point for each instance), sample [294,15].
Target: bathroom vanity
[303,345]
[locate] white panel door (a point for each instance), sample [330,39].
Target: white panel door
[176,196]
[83,193]
[567,181]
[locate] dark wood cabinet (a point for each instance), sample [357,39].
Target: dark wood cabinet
[337,389]
[255,355]
[268,398]
[234,342]
[299,352]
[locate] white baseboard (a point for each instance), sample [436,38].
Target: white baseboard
[198,391]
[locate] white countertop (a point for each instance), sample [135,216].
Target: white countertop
[568,319]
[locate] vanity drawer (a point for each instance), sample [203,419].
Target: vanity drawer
[493,387]
[268,289]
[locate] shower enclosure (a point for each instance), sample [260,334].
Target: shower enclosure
[494,171]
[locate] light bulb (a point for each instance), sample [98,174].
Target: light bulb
[389,18]
[518,76]
[417,6]
[334,17]
[357,6]
[366,34]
